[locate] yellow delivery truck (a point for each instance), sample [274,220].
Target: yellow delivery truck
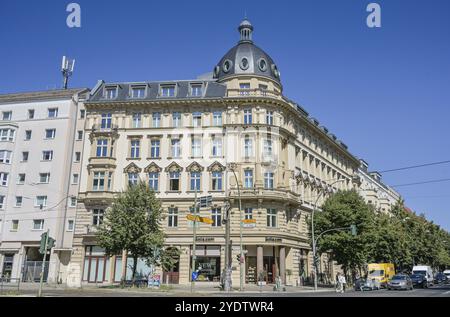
[381,272]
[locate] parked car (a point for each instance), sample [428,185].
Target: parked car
[447,273]
[440,278]
[400,282]
[367,285]
[419,280]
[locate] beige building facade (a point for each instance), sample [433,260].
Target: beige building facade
[181,138]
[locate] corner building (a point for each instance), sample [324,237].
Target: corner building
[181,138]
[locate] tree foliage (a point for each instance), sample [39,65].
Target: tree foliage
[132,224]
[400,237]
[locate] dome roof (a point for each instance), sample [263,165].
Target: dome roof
[247,59]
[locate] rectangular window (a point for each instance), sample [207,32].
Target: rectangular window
[135,149]
[217,147]
[153,181]
[44,178]
[73,202]
[21,179]
[15,225]
[196,90]
[2,202]
[156,119]
[70,225]
[174,181]
[25,156]
[268,147]
[271,218]
[99,181]
[176,148]
[248,179]
[77,157]
[155,147]
[167,91]
[133,179]
[5,157]
[102,148]
[217,181]
[197,119]
[269,117]
[245,89]
[217,119]
[196,147]
[50,134]
[111,93]
[248,117]
[248,213]
[75,179]
[41,201]
[47,155]
[7,135]
[217,217]
[53,112]
[248,147]
[82,114]
[7,115]
[97,217]
[31,114]
[173,218]
[263,90]
[28,135]
[138,92]
[137,120]
[195,181]
[176,119]
[19,200]
[80,136]
[4,179]
[106,121]
[268,180]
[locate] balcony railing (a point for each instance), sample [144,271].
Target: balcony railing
[245,93]
[101,128]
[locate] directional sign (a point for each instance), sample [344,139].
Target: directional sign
[200,219]
[249,221]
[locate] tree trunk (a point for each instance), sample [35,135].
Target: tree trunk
[124,268]
[135,260]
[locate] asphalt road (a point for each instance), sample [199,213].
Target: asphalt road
[437,291]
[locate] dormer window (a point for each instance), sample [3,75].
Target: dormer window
[167,91]
[196,90]
[138,92]
[110,92]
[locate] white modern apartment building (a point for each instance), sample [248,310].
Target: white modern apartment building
[41,136]
[374,191]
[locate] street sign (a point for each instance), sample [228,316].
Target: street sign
[249,223]
[200,219]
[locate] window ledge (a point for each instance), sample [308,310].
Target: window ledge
[174,192]
[154,158]
[134,159]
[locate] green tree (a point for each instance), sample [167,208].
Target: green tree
[342,210]
[133,224]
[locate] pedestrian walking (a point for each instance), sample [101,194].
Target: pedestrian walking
[342,282]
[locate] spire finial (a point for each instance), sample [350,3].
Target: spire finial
[246,30]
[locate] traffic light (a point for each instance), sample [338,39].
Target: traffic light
[42,244]
[353,230]
[50,243]
[238,258]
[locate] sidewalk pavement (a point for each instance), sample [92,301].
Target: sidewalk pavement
[177,289]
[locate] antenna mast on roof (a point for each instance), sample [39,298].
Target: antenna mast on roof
[67,68]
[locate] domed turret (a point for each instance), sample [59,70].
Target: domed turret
[246,59]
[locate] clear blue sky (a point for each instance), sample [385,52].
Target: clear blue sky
[385,92]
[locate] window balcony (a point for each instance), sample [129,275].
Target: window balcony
[108,129]
[261,93]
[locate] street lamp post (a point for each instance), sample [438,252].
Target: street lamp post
[313,237]
[232,167]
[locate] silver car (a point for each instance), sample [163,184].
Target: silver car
[400,282]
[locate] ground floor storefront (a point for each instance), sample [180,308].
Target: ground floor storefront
[262,264]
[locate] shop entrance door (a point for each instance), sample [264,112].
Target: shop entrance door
[270,269]
[7,265]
